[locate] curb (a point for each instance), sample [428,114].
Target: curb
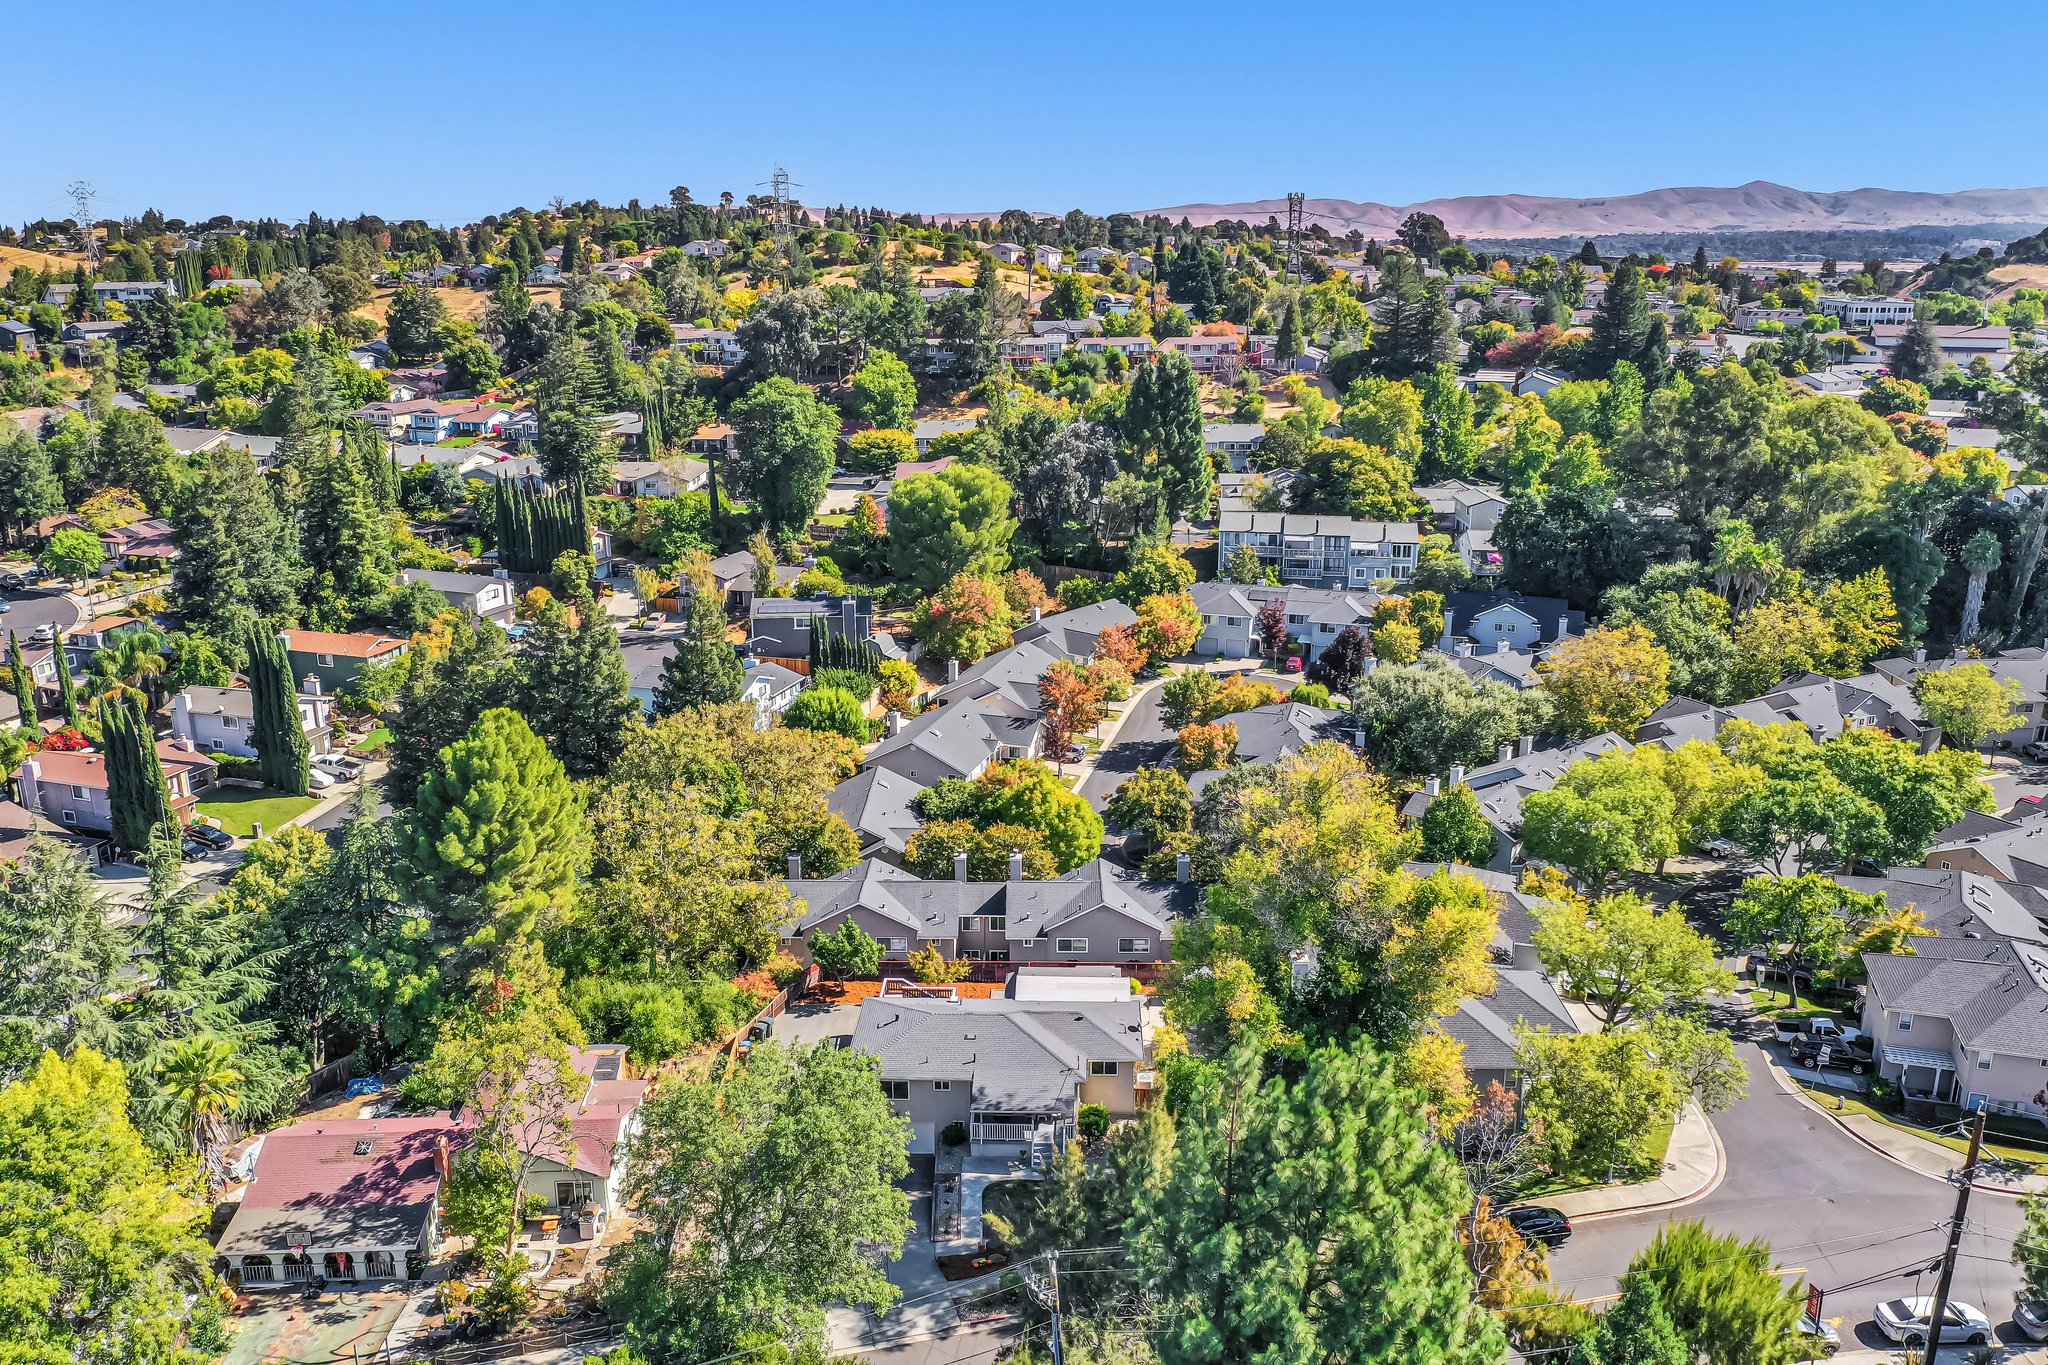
[1798,1092]
[1712,1183]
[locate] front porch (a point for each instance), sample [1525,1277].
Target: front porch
[1039,1138]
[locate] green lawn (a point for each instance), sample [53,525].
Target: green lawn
[237,809]
[1851,1102]
[1545,1186]
[376,742]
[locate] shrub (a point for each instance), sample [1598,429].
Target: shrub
[954,1134]
[1310,694]
[657,1020]
[832,709]
[782,969]
[929,965]
[845,679]
[1092,1122]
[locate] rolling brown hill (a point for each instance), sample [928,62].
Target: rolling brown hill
[1758,206]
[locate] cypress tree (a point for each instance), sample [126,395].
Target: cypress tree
[1163,416]
[282,753]
[24,681]
[137,792]
[1621,326]
[67,693]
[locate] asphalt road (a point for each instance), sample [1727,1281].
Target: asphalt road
[32,608]
[1142,741]
[1829,1206]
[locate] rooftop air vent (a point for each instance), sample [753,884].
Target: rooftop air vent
[363,1146]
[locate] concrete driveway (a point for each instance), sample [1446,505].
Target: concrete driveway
[817,1021]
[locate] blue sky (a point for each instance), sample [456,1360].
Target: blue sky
[447,111]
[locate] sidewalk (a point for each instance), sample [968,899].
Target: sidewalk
[1693,1166]
[1915,1153]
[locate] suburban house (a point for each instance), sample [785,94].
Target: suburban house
[1502,664]
[1132,348]
[484,597]
[1099,913]
[17,338]
[771,688]
[585,1178]
[150,541]
[1315,617]
[1485,1025]
[1205,353]
[1502,786]
[711,345]
[2027,666]
[1825,706]
[335,659]
[1022,352]
[659,478]
[1013,1073]
[1748,315]
[1074,633]
[1234,441]
[222,720]
[71,787]
[113,291]
[1267,734]
[1093,257]
[877,803]
[1009,253]
[1457,506]
[1322,551]
[929,429]
[341,1199]
[709,246]
[780,627]
[1487,618]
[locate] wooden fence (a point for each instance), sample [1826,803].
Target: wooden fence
[780,1002]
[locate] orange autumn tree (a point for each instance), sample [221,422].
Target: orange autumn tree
[1213,745]
[1120,643]
[1168,624]
[1072,703]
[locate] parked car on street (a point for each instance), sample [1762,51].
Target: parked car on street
[1718,847]
[339,765]
[12,582]
[1905,1321]
[2031,1317]
[1538,1223]
[1818,1336]
[2037,751]
[1821,1028]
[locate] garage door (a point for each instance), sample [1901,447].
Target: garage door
[923,1139]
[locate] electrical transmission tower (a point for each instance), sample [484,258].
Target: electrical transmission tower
[783,210]
[1295,200]
[82,194]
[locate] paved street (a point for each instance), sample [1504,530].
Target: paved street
[1827,1204]
[33,607]
[1142,740]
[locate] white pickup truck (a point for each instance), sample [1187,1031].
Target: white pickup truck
[1821,1027]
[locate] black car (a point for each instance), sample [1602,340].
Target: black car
[1854,1058]
[213,836]
[192,848]
[1540,1224]
[12,582]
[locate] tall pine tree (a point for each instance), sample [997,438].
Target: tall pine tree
[138,793]
[703,670]
[238,560]
[1286,1197]
[283,756]
[24,682]
[572,449]
[345,538]
[1163,417]
[1621,325]
[573,686]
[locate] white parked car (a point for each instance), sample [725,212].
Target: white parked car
[1905,1321]
[339,765]
[318,780]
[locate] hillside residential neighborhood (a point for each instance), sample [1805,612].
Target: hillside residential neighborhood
[713,778]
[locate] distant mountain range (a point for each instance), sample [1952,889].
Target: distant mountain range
[1758,206]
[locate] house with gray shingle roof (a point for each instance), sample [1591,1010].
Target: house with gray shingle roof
[1963,1021]
[1503,786]
[1485,1025]
[1014,1073]
[878,804]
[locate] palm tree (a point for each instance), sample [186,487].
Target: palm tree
[201,1077]
[1981,555]
[134,659]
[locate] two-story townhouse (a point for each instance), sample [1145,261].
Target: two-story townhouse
[1526,623]
[1962,1021]
[1315,617]
[1131,348]
[1521,771]
[710,345]
[335,659]
[1022,352]
[1861,312]
[781,627]
[222,720]
[1013,1073]
[1234,442]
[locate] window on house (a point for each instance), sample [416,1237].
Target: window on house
[899,945]
[999,955]
[942,1085]
[230,722]
[971,954]
[1983,1063]
[970,924]
[78,793]
[70,817]
[998,923]
[896,1090]
[1905,1023]
[1070,945]
[326,660]
[1944,865]
[1102,1068]
[1134,945]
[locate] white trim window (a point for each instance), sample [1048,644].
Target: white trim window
[896,1090]
[942,1085]
[1070,945]
[1905,1023]
[1134,945]
[899,945]
[970,924]
[325,660]
[1102,1068]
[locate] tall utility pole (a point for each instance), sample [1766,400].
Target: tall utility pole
[1295,201]
[1961,1180]
[82,194]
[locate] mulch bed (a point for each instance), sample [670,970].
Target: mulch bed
[970,1264]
